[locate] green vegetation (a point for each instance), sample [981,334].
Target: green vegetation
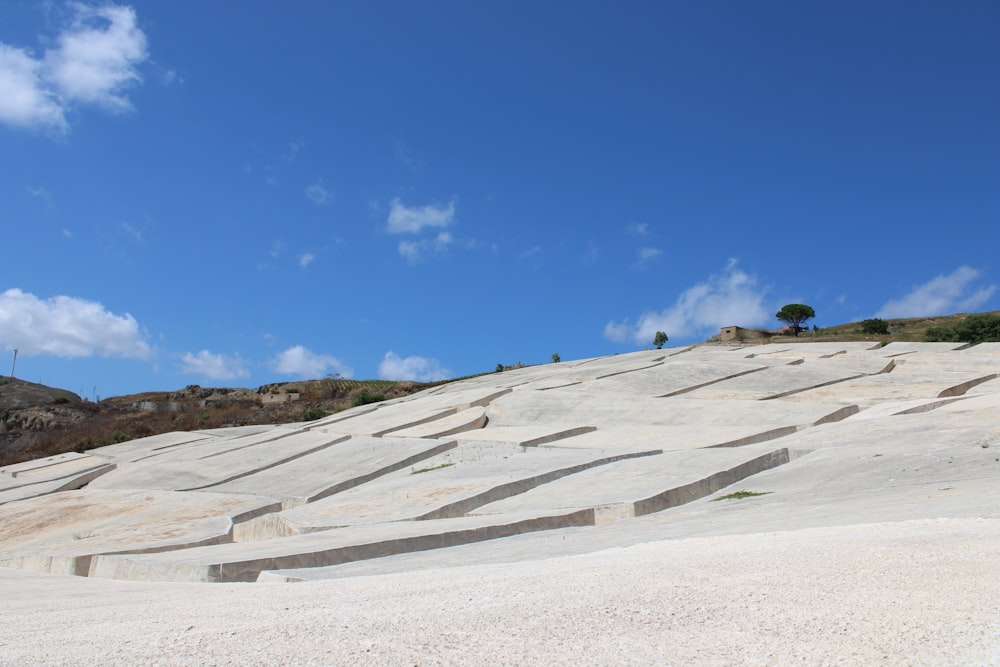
[972,329]
[740,495]
[556,358]
[794,314]
[875,327]
[312,414]
[443,465]
[364,397]
[90,443]
[659,339]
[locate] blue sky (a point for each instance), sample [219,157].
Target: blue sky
[235,193]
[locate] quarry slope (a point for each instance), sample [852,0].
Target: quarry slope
[820,430]
[604,458]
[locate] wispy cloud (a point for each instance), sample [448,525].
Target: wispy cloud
[38,192]
[66,326]
[305,363]
[214,366]
[94,62]
[171,77]
[318,194]
[532,252]
[419,369]
[942,295]
[293,150]
[133,232]
[411,219]
[305,259]
[732,297]
[637,229]
[406,159]
[414,251]
[646,256]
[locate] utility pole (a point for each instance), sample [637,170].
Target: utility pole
[13,365]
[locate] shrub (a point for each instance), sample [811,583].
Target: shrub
[364,397]
[312,414]
[973,329]
[60,400]
[875,327]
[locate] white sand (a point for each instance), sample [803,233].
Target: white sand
[921,592]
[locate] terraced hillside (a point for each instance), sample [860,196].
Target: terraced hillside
[580,450]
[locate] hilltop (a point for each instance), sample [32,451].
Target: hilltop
[38,421]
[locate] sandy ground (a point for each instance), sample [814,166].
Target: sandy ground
[921,592]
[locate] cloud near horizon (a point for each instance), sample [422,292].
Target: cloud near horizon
[65,326]
[300,361]
[942,295]
[214,366]
[732,297]
[93,63]
[418,369]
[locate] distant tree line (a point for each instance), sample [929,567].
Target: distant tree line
[983,328]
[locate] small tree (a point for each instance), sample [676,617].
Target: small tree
[875,327]
[659,339]
[794,314]
[555,358]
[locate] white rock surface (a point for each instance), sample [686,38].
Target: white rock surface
[521,538]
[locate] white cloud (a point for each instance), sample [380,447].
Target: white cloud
[305,259]
[646,256]
[93,63]
[533,251]
[293,150]
[134,232]
[410,250]
[171,77]
[25,100]
[637,229]
[214,366]
[730,298]
[301,361]
[403,219]
[414,251]
[96,58]
[942,295]
[318,194]
[65,326]
[419,369]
